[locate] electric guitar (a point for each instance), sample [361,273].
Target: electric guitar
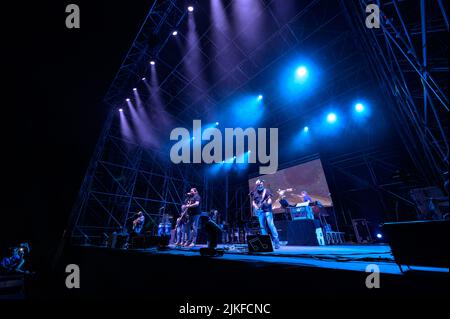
[184,217]
[138,224]
[259,210]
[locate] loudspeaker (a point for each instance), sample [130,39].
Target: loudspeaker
[259,243]
[297,232]
[163,241]
[119,240]
[147,241]
[420,243]
[138,242]
[213,231]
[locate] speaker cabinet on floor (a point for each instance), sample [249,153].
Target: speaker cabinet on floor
[420,243]
[259,243]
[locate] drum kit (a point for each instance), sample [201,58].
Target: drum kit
[165,225]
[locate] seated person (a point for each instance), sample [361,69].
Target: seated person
[15,262]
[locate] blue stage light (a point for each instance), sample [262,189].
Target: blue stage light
[359,107]
[301,72]
[299,79]
[379,236]
[260,97]
[244,111]
[217,123]
[331,118]
[305,129]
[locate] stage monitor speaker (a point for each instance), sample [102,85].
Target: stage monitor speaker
[138,242]
[419,243]
[259,244]
[119,240]
[163,241]
[297,232]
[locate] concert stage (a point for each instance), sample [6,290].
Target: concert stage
[344,257]
[288,273]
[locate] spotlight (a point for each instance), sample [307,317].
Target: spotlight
[305,129]
[260,97]
[359,107]
[143,79]
[193,137]
[152,62]
[174,33]
[120,110]
[331,118]
[190,8]
[128,100]
[134,89]
[379,236]
[217,123]
[301,72]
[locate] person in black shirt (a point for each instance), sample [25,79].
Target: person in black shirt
[194,216]
[262,205]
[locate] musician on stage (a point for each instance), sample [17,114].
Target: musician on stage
[262,204]
[193,208]
[138,223]
[181,230]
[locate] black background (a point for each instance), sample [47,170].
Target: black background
[54,79]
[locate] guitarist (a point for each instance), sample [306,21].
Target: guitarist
[194,213]
[181,226]
[262,205]
[138,223]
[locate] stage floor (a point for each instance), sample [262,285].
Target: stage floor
[292,271]
[341,257]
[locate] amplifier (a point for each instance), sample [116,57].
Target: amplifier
[119,240]
[297,213]
[138,242]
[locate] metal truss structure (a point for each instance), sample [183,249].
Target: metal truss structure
[124,176]
[408,57]
[369,181]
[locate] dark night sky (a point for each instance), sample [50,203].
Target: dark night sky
[59,77]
